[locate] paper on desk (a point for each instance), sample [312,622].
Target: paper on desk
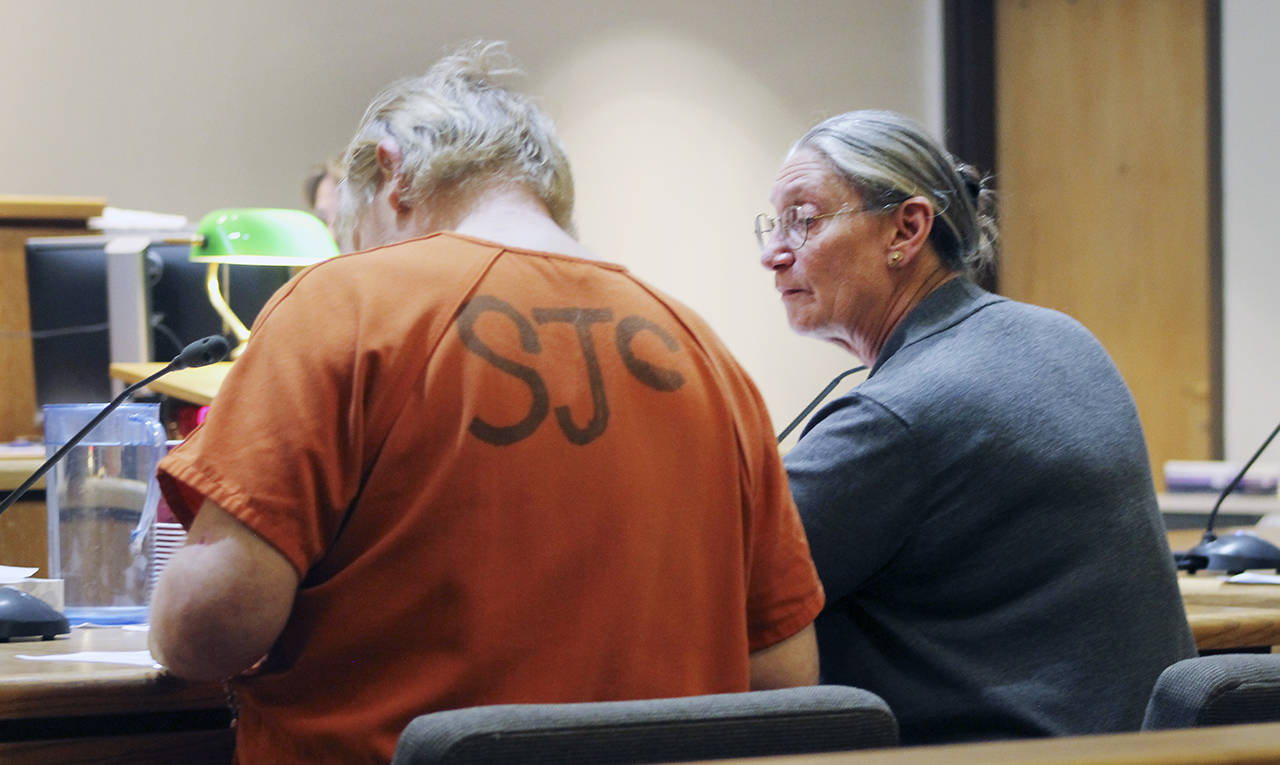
[1249,577]
[11,574]
[22,450]
[141,658]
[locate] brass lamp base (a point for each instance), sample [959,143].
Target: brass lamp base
[213,285]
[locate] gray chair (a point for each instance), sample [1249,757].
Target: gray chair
[1224,689]
[820,718]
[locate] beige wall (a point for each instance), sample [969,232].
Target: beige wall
[1251,251]
[675,114]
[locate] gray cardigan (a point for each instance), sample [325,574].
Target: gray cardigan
[982,515]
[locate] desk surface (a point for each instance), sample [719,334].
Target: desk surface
[1211,589]
[43,689]
[1233,744]
[1230,616]
[1233,628]
[197,385]
[66,711]
[14,471]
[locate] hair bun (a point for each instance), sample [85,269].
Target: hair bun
[973,179]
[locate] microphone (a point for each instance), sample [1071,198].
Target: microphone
[1237,551]
[201,353]
[817,400]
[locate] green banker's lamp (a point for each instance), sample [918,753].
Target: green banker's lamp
[256,237]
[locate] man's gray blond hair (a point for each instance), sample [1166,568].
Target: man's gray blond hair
[455,125]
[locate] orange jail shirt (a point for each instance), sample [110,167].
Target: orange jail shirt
[503,476]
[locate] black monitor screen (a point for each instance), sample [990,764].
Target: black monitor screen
[67,286]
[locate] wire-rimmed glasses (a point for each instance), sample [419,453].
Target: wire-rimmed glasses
[795,227]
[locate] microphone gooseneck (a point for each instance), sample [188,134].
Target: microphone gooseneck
[1235,552]
[1209,536]
[817,400]
[201,353]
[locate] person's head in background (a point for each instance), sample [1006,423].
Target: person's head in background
[321,191]
[428,145]
[872,213]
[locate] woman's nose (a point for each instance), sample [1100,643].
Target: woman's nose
[776,254]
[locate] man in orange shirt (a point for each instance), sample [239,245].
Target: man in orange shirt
[474,464]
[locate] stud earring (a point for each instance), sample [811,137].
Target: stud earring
[895,257]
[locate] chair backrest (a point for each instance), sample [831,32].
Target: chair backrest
[1224,689]
[789,721]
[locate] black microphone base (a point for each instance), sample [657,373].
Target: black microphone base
[1232,553]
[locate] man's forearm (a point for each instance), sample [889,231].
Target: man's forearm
[792,662]
[222,600]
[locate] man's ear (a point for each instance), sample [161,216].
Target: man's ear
[912,224]
[389,158]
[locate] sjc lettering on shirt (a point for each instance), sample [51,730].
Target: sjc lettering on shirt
[656,377]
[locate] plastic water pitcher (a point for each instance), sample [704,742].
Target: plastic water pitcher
[102,507]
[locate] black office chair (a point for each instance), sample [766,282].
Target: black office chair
[1224,689]
[820,718]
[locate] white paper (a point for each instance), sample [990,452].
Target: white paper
[1249,577]
[22,450]
[11,574]
[119,219]
[141,658]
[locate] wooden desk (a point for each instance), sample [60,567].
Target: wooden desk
[1210,589]
[85,712]
[1224,745]
[198,385]
[1233,628]
[1227,616]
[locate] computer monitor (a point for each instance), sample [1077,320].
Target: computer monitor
[71,318]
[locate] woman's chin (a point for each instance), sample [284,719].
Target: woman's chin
[801,324]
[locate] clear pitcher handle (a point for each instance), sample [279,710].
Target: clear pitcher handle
[147,519]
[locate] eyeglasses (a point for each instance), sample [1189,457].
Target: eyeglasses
[795,227]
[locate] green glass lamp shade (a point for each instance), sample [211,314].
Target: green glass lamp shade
[256,237]
[262,237]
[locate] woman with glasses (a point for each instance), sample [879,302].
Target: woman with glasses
[981,508]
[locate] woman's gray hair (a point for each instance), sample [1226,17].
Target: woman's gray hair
[888,158]
[455,126]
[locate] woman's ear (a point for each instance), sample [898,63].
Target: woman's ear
[912,224]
